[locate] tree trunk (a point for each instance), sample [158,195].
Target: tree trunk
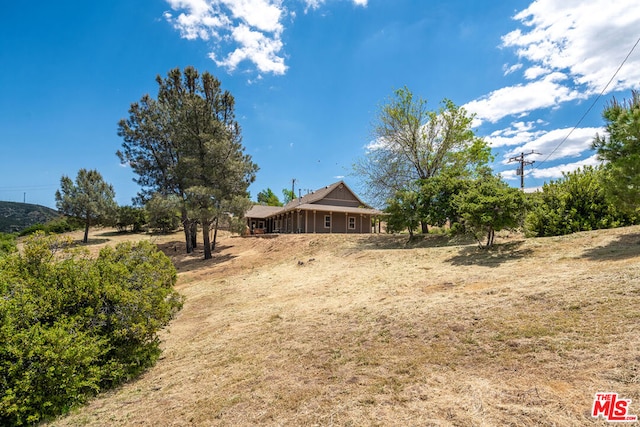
[86,230]
[215,236]
[490,235]
[186,225]
[424,227]
[194,234]
[205,239]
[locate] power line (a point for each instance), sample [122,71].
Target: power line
[591,106]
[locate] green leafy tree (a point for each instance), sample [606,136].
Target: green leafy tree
[163,213]
[288,195]
[436,198]
[412,143]
[620,149]
[404,212]
[90,198]
[489,205]
[576,202]
[268,198]
[133,217]
[188,143]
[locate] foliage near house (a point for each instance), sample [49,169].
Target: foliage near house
[268,197]
[413,143]
[489,205]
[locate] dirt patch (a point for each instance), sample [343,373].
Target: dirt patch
[371,330]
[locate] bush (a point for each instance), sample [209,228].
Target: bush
[128,216]
[7,244]
[576,202]
[71,326]
[56,226]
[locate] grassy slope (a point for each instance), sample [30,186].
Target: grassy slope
[371,333]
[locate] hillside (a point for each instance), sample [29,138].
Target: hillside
[15,216]
[361,330]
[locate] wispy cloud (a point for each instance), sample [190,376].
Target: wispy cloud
[242,30]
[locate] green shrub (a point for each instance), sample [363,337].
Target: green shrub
[576,202]
[7,244]
[56,226]
[71,326]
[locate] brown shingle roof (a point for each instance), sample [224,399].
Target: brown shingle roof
[261,211]
[319,195]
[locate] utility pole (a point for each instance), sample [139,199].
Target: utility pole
[293,188]
[523,163]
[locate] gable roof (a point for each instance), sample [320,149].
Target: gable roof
[320,194]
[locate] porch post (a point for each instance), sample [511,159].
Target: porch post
[330,222]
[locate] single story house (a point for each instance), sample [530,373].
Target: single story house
[331,209]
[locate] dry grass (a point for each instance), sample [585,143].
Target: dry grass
[369,331]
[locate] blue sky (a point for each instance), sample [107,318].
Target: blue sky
[308,77]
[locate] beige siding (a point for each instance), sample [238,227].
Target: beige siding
[340,197]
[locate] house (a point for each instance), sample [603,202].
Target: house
[331,209]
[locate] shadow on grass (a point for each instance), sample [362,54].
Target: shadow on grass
[493,257]
[623,247]
[183,261]
[402,241]
[90,242]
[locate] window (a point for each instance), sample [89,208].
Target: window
[352,223]
[327,221]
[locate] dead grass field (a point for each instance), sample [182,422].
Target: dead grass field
[364,330]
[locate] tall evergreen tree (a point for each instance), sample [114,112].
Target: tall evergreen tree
[188,143]
[620,149]
[90,199]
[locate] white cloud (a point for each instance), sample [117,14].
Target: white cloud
[570,50]
[587,40]
[254,46]
[575,144]
[520,100]
[264,15]
[315,4]
[555,172]
[508,70]
[243,30]
[519,133]
[552,172]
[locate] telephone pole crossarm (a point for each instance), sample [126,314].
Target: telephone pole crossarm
[521,159]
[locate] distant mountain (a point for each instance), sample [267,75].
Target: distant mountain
[15,216]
